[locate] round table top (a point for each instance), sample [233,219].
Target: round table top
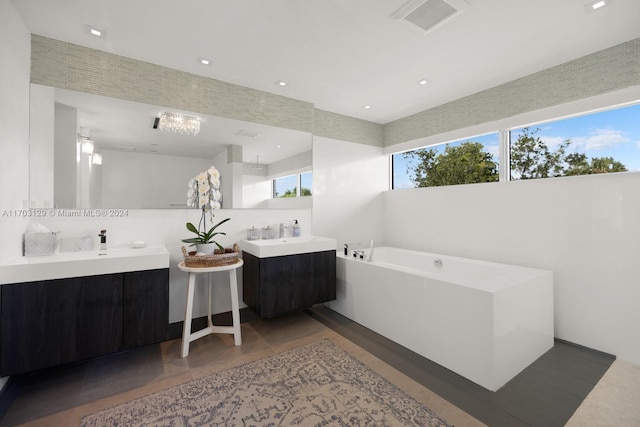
[183,267]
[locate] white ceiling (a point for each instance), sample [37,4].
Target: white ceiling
[343,54]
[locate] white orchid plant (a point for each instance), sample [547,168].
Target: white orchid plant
[204,193]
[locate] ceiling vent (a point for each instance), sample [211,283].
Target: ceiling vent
[428,14]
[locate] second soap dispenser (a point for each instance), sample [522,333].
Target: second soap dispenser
[295,232]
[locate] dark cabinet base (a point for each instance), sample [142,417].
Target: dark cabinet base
[52,322]
[278,285]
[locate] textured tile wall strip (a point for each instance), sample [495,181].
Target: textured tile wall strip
[68,66]
[345,128]
[611,69]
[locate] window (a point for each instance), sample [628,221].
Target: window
[465,161]
[603,142]
[306,184]
[287,186]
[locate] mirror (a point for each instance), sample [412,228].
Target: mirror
[132,165]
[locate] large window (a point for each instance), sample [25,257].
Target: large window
[298,185]
[465,161]
[603,142]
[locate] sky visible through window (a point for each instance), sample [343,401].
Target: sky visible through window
[613,133]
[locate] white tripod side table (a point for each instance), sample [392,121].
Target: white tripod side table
[187,335]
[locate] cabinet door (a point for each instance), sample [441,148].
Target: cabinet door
[285,284]
[146,307]
[324,276]
[53,322]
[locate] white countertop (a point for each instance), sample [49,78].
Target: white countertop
[288,246]
[118,259]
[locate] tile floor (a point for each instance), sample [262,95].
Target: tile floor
[61,397]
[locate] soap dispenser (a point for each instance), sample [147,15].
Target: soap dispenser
[296,229]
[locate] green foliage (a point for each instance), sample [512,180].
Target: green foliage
[531,158]
[466,163]
[204,236]
[293,192]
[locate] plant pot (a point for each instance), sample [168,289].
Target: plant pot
[206,248]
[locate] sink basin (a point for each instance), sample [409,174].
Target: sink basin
[84,263]
[288,246]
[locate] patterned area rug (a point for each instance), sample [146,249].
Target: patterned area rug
[314,385]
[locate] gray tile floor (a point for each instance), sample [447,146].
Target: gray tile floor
[547,393]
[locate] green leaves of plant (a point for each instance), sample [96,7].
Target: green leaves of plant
[205,236]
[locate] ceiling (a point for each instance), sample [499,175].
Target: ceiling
[341,55]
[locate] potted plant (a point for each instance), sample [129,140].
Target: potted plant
[204,193]
[204,238]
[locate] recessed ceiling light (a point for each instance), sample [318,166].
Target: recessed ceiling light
[204,61]
[423,82]
[94,31]
[366,107]
[596,5]
[281,83]
[277,146]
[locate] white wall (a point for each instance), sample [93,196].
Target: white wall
[348,181]
[15,48]
[15,51]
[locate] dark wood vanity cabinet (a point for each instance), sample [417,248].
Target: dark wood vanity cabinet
[278,285]
[146,307]
[52,322]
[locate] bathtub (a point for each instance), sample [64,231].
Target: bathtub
[485,321]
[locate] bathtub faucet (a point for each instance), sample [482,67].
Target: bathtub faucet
[356,249]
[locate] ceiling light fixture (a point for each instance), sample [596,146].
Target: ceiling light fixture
[366,107]
[596,5]
[178,123]
[281,83]
[86,146]
[204,61]
[423,82]
[94,31]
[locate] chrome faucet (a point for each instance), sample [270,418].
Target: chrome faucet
[358,252]
[103,242]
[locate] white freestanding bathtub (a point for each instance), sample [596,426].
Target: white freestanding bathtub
[482,320]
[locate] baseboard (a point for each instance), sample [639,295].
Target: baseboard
[603,353]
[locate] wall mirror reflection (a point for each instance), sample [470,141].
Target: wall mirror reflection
[90,151]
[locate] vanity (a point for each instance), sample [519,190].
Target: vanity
[73,306]
[285,275]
